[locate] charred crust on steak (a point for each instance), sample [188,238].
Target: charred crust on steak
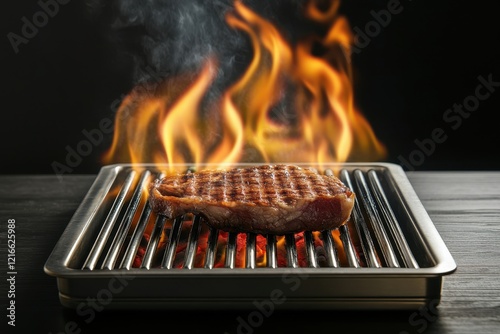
[266,199]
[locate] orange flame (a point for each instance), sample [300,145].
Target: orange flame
[250,123]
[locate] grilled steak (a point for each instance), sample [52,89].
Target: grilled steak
[267,199]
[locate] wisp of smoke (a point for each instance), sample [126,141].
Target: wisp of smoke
[162,38]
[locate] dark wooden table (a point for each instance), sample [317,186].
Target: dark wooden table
[464,206]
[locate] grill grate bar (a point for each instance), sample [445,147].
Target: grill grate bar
[135,240]
[231,250]
[154,240]
[271,251]
[168,257]
[350,251]
[211,248]
[310,250]
[107,227]
[192,243]
[330,249]
[121,234]
[361,227]
[391,220]
[376,221]
[250,251]
[291,251]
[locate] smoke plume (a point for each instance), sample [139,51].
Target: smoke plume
[157,39]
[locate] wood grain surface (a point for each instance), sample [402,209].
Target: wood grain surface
[464,206]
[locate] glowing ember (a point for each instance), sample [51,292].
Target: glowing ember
[241,244]
[201,250]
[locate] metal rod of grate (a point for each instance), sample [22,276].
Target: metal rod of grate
[361,226]
[121,234]
[391,221]
[211,247]
[365,197]
[137,234]
[372,213]
[107,227]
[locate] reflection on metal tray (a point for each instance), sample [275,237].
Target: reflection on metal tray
[389,254]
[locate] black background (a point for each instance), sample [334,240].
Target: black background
[67,78]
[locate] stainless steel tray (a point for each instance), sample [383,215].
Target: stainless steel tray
[389,256]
